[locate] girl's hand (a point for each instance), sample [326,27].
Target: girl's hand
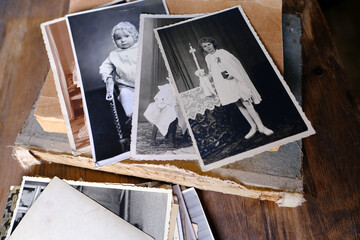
[230,77]
[200,73]
[226,75]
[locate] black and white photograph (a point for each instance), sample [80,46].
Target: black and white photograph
[28,194]
[159,130]
[234,98]
[105,46]
[148,209]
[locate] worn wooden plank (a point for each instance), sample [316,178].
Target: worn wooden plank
[23,67]
[331,162]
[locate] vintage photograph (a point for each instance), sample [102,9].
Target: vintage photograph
[235,100]
[61,57]
[28,194]
[148,209]
[159,130]
[105,46]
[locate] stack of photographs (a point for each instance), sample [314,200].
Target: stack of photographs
[179,87]
[159,210]
[148,209]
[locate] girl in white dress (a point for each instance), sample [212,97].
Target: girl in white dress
[232,84]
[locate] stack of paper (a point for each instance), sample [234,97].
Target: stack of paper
[161,96]
[45,207]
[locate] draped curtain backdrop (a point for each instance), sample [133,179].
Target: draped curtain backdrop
[232,37]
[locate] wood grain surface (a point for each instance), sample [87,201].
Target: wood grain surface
[23,68]
[331,157]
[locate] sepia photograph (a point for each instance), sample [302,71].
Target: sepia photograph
[105,46]
[61,58]
[159,130]
[148,209]
[234,98]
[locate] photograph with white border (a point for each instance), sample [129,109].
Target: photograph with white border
[148,209]
[234,98]
[159,129]
[61,58]
[105,46]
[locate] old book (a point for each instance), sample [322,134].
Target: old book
[274,176]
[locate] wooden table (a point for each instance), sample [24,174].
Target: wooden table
[331,157]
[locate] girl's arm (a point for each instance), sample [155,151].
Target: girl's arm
[106,69]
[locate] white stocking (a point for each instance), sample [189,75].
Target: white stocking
[249,119]
[247,116]
[254,115]
[255,118]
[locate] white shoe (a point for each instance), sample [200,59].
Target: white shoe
[251,133]
[266,131]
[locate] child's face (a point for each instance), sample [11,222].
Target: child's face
[123,39]
[208,47]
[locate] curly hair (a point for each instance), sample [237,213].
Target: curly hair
[207,40]
[129,27]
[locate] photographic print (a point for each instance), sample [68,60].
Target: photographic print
[235,100]
[62,212]
[61,58]
[105,46]
[159,129]
[148,209]
[28,194]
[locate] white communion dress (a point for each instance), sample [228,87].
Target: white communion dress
[222,63]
